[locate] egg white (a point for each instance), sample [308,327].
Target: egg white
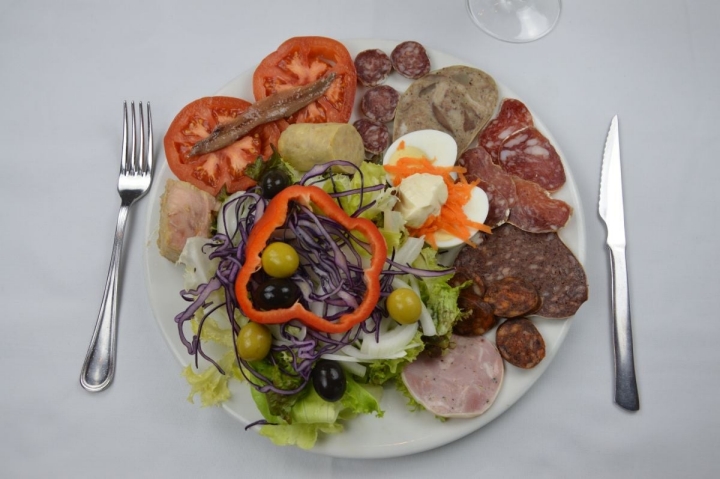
[437,145]
[476,209]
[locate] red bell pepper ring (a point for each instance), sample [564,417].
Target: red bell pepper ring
[273,218]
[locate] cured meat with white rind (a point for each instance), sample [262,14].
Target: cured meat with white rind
[531,156]
[463,382]
[497,184]
[541,259]
[513,116]
[535,210]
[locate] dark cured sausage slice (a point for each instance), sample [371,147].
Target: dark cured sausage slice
[531,156]
[410,60]
[379,103]
[535,210]
[372,67]
[375,136]
[512,297]
[520,343]
[513,116]
[542,260]
[497,184]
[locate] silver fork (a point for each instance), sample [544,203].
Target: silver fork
[136,172]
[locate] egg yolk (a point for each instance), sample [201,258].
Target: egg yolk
[406,152]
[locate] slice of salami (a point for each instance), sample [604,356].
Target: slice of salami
[375,136]
[463,382]
[379,103]
[372,66]
[410,60]
[531,156]
[520,343]
[535,210]
[497,184]
[513,116]
[541,259]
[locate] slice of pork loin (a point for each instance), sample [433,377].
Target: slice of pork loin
[185,212]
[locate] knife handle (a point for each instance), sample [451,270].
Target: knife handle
[626,392]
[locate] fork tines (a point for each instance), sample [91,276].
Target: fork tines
[139,161]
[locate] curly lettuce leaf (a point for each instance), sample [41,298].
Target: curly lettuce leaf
[381,371]
[210,384]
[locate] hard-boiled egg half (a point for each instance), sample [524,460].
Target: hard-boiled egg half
[423,194]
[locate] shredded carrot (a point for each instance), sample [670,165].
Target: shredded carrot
[452,219]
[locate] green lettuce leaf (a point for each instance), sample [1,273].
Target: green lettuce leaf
[372,175]
[311,415]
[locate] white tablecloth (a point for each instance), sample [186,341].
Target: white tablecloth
[66,67]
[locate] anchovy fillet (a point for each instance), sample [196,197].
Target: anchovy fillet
[274,107]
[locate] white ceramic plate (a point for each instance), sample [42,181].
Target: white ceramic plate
[399,432]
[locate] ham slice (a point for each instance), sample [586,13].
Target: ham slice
[464,382]
[185,212]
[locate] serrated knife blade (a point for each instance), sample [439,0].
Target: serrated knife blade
[612,212]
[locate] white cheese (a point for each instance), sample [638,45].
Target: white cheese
[421,195]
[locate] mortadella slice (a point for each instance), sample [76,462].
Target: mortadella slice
[463,382]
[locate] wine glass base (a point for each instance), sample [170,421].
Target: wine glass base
[515,21]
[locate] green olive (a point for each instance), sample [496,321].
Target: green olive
[404,306]
[280,260]
[253,341]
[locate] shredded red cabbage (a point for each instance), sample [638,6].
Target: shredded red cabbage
[330,276]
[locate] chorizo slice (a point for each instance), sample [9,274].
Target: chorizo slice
[478,317]
[520,343]
[512,297]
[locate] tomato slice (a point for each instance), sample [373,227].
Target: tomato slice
[302,60]
[225,167]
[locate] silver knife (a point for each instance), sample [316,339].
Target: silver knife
[611,211]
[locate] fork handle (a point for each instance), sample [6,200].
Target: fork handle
[99,367]
[626,392]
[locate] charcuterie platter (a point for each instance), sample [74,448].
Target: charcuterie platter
[399,430]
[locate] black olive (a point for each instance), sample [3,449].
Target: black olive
[329,381]
[273,182]
[276,293]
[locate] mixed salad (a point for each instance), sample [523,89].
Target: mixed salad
[313,291]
